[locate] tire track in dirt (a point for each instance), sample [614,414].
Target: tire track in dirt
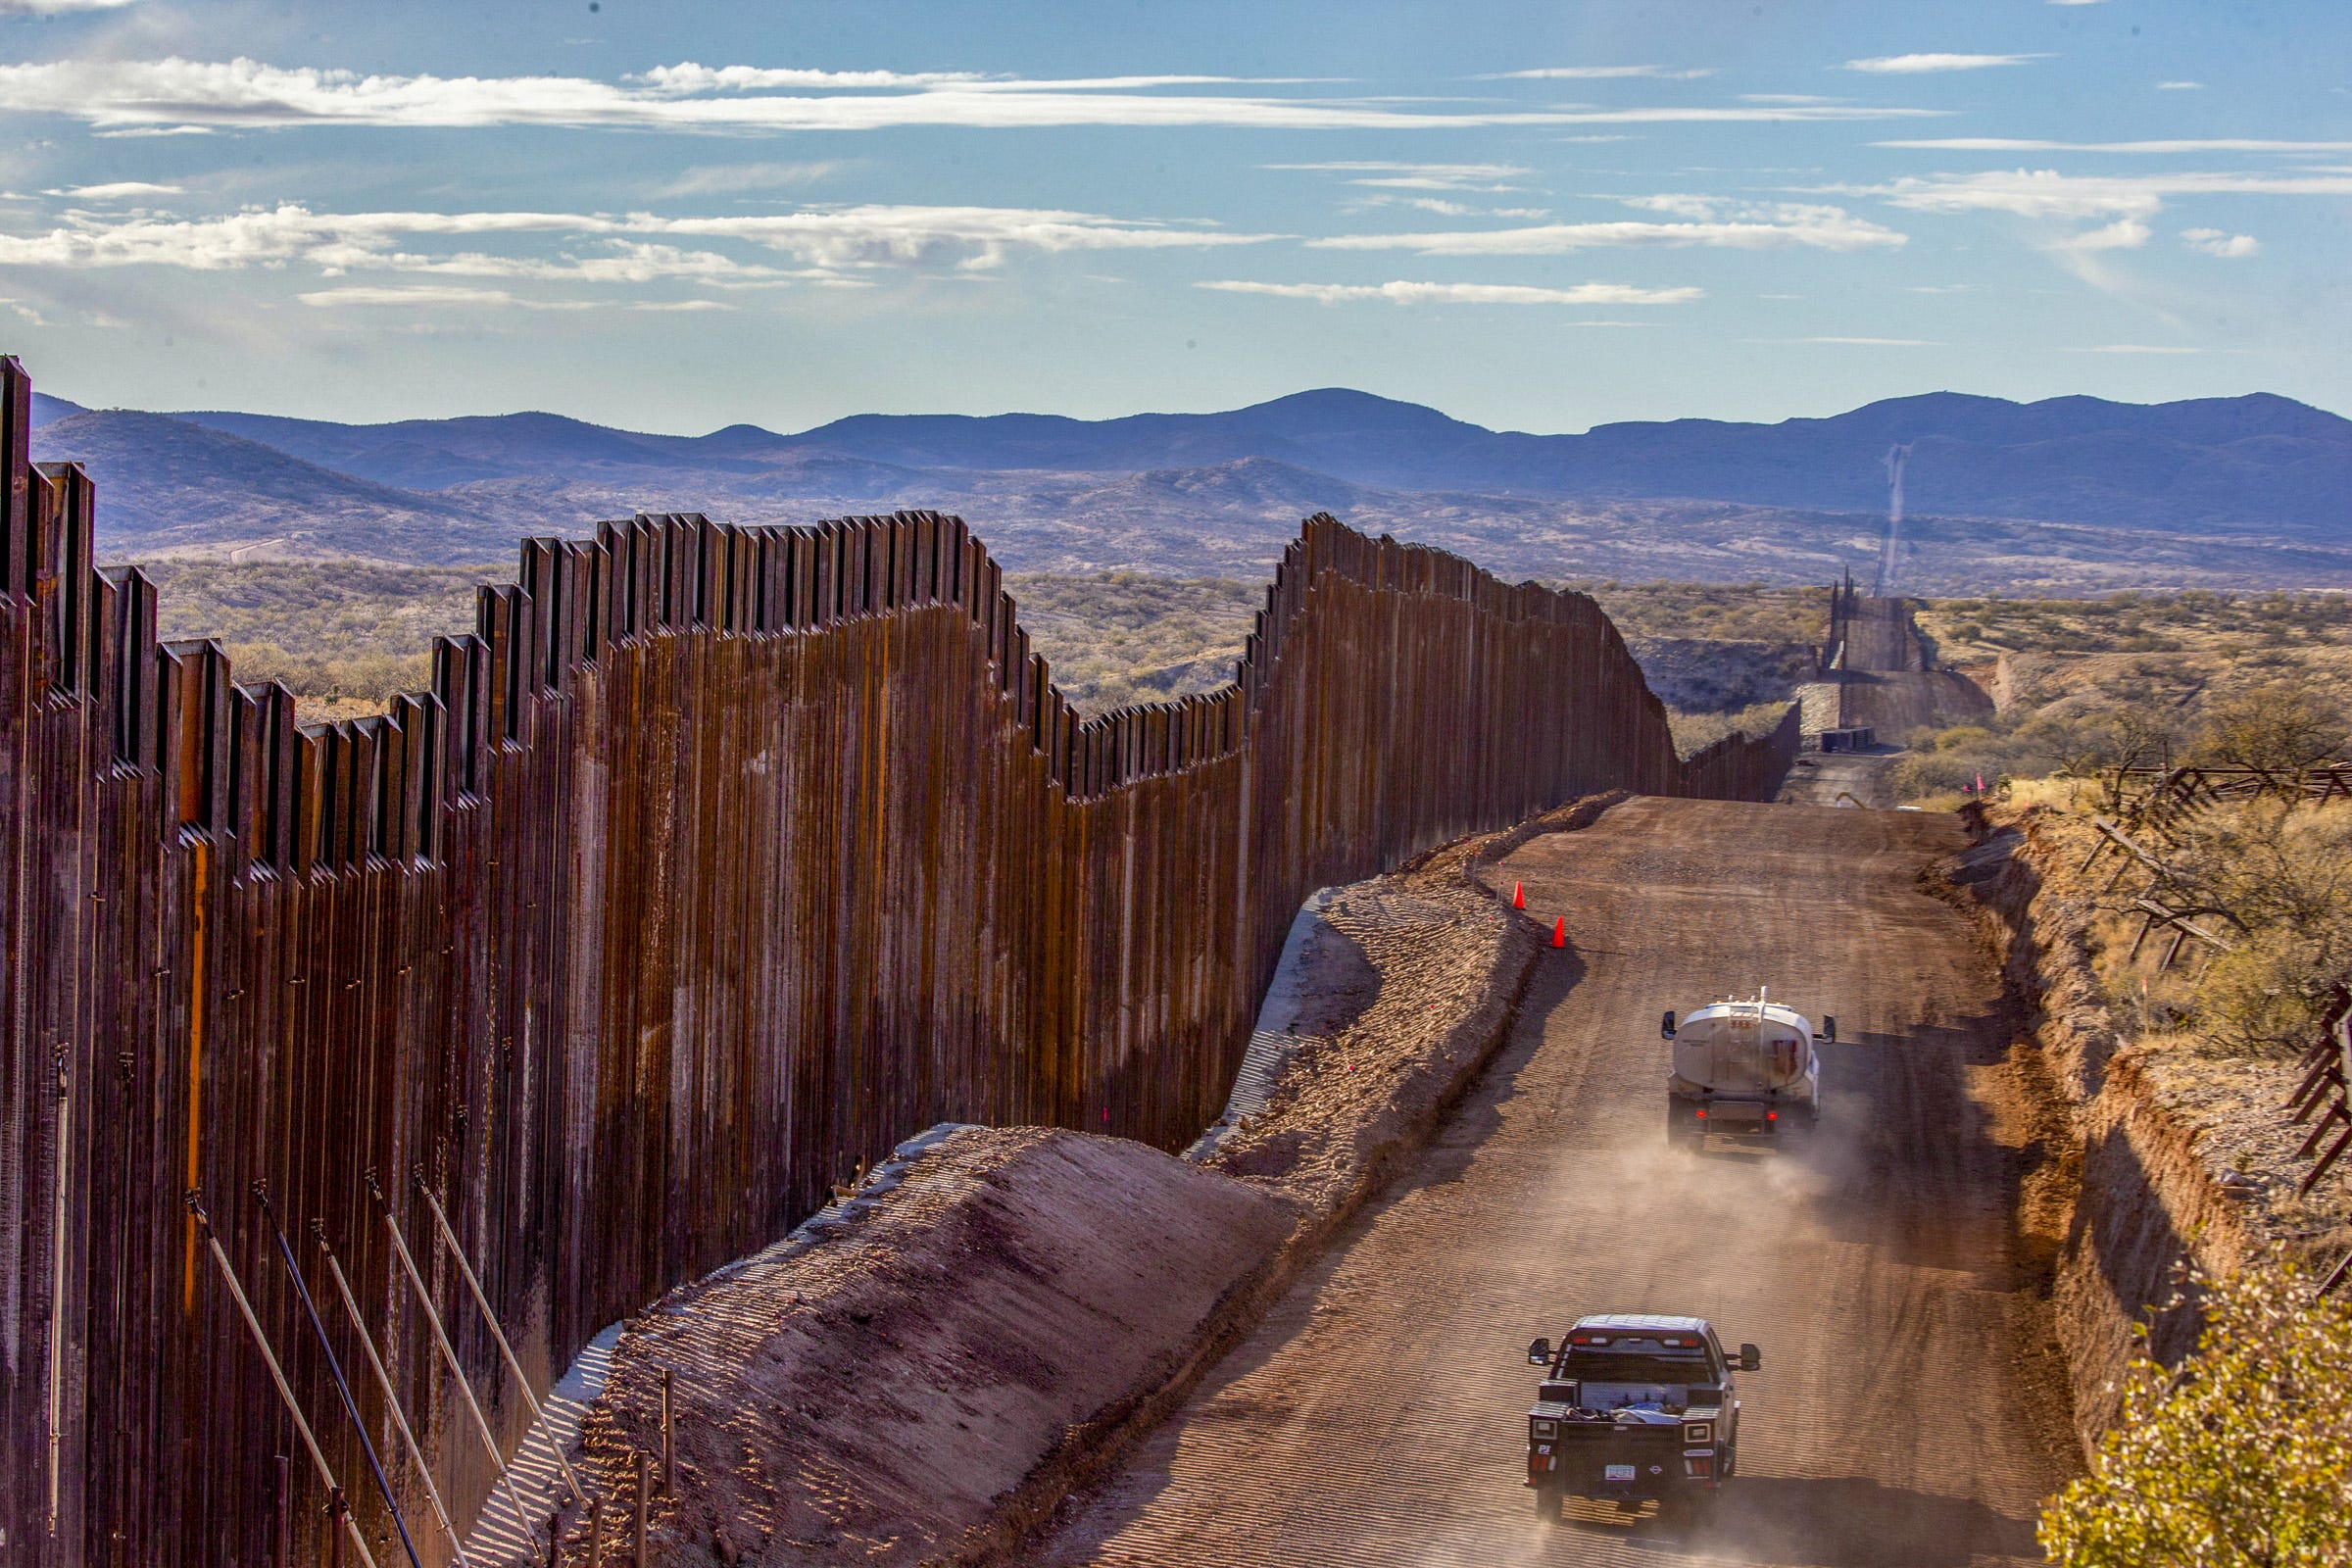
[1909,1413]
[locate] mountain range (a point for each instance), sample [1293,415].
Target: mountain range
[2067,492]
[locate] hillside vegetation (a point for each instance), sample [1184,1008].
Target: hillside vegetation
[2082,685]
[342,636]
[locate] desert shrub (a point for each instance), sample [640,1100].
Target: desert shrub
[1695,732]
[2263,998]
[2279,875]
[362,678]
[2278,729]
[1712,612]
[2240,1458]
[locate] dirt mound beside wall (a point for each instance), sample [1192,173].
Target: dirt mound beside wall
[876,1397]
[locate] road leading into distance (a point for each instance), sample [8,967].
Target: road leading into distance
[1909,1413]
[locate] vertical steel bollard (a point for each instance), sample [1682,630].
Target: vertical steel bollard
[596,1534]
[644,1505]
[282,1540]
[669,1453]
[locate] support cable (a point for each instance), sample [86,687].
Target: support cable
[334,1367]
[449,1354]
[337,1504]
[449,1239]
[384,1380]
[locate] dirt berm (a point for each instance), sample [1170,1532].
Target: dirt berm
[926,1373]
[2143,1164]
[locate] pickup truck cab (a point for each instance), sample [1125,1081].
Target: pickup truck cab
[1634,1407]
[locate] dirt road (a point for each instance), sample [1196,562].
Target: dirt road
[1907,1414]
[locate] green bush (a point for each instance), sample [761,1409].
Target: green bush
[2240,1458]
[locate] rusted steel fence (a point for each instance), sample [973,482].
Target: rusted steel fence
[714,863]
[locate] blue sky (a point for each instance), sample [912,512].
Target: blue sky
[1535,215]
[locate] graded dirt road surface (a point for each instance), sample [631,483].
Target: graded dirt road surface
[1908,1413]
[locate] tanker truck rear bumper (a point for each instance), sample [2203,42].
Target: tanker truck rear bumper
[1692,1118]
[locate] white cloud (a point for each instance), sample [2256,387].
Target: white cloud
[619,262]
[2206,144]
[732,179]
[970,237]
[2123,234]
[1710,222]
[1677,206]
[1419,176]
[1921,65]
[432,296]
[262,237]
[1599,73]
[2220,242]
[56,7]
[1865,342]
[1463,293]
[688,78]
[2134,348]
[834,239]
[116,191]
[2180,86]
[2046,193]
[118,94]
[1786,98]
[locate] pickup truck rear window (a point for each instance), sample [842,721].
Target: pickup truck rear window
[1604,1366]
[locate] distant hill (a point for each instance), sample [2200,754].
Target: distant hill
[167,485]
[47,409]
[2068,493]
[2258,463]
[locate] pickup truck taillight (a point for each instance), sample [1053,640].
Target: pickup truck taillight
[1700,1466]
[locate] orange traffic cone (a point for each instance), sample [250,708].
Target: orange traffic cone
[1518,896]
[1559,932]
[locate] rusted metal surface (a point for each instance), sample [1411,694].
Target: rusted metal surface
[715,864]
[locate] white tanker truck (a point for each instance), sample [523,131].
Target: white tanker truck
[1744,1069]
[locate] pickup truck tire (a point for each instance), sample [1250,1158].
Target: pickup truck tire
[1547,1505]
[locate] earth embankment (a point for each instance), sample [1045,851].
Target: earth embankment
[1913,1409]
[882,1396]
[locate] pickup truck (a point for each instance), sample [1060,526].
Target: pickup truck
[1634,1407]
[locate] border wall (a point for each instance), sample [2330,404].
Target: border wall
[714,863]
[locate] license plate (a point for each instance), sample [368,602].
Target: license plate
[1616,1472]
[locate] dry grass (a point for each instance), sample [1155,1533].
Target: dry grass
[1712,612]
[1695,732]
